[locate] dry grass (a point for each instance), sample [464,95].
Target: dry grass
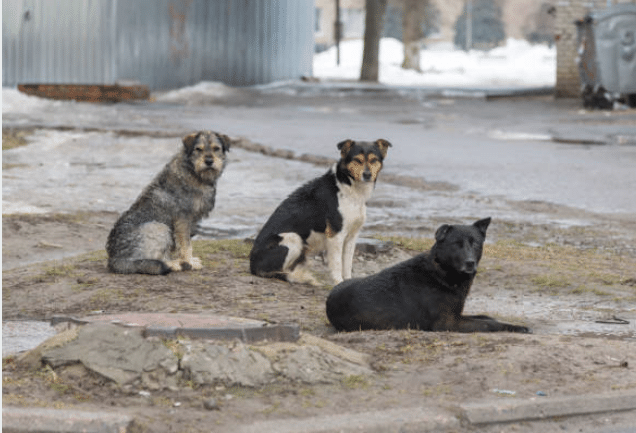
[12,138]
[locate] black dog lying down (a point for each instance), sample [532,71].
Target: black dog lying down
[426,292]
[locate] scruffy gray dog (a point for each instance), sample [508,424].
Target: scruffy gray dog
[153,236]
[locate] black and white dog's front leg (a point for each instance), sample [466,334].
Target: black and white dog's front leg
[335,257]
[347,254]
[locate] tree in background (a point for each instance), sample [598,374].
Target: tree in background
[375,10]
[487,26]
[412,18]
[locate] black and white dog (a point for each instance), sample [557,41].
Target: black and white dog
[325,214]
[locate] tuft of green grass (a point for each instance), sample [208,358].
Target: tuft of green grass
[550,281]
[237,247]
[175,347]
[606,278]
[12,138]
[106,296]
[55,272]
[355,381]
[413,244]
[94,256]
[582,289]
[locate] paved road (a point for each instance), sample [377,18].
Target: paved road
[492,148]
[500,148]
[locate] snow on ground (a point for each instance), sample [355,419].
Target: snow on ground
[17,102]
[516,64]
[186,95]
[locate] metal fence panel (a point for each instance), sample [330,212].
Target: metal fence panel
[160,43]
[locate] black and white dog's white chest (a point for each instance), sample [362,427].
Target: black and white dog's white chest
[352,204]
[346,219]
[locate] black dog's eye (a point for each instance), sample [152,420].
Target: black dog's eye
[216,149]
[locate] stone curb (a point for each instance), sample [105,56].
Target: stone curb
[432,420]
[385,421]
[31,420]
[511,410]
[35,420]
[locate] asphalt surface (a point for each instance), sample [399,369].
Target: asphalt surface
[524,148]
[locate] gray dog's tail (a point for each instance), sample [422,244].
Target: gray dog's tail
[143,266]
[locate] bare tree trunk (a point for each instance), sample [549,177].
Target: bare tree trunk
[375,10]
[412,32]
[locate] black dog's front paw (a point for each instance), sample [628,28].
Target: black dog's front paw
[519,329]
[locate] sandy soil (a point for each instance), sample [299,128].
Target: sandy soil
[545,286]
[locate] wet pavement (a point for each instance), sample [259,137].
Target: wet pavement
[499,148]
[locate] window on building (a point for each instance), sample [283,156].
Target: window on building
[352,22]
[318,21]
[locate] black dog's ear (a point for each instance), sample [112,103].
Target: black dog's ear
[225,141]
[441,232]
[345,146]
[384,146]
[482,225]
[188,141]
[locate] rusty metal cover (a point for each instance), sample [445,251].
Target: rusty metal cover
[87,92]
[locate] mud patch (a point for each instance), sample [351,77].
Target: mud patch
[539,286]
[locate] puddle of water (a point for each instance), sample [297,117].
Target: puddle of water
[570,316]
[19,336]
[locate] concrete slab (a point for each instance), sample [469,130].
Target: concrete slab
[204,326]
[36,420]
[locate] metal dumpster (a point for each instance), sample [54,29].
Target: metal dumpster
[607,56]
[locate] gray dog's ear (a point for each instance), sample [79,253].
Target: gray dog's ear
[344,147]
[482,225]
[225,141]
[441,232]
[384,146]
[188,140]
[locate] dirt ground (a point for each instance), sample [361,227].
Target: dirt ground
[541,278]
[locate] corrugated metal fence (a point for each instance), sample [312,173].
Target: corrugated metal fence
[160,43]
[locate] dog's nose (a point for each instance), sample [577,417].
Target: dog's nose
[469,265]
[209,161]
[366,176]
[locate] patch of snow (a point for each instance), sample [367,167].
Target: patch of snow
[516,64]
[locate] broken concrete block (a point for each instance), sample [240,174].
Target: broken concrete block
[238,365]
[117,353]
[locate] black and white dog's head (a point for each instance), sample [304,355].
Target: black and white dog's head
[361,161]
